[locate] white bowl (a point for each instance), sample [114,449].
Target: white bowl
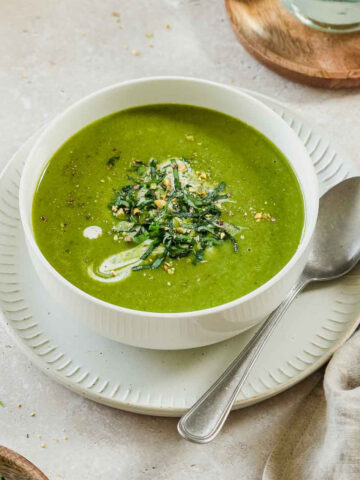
[170,330]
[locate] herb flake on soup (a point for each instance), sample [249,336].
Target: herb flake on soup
[168,208]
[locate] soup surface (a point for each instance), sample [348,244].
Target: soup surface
[236,212]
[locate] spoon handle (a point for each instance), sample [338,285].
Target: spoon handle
[206,417]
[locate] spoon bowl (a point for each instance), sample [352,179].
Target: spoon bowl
[336,243]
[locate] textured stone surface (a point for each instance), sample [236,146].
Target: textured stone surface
[51,54]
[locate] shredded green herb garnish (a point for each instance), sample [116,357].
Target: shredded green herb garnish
[171,207]
[111,162]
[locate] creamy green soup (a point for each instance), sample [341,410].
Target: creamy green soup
[168,208]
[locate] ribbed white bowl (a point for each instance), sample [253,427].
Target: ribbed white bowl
[176,330]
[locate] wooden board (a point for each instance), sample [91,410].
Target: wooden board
[15,467]
[281,42]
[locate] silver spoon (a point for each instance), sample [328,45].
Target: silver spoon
[335,251]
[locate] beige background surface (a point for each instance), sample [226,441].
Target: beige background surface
[53,52]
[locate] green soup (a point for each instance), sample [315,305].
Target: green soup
[259,196]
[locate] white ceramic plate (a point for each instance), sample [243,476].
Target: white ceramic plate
[168,382]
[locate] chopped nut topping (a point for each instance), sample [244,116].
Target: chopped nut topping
[160,203]
[166,182]
[263,216]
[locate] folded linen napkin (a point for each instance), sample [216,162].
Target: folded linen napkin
[322,442]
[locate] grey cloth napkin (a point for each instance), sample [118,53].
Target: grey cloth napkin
[322,442]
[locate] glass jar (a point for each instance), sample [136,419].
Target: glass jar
[334,16]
